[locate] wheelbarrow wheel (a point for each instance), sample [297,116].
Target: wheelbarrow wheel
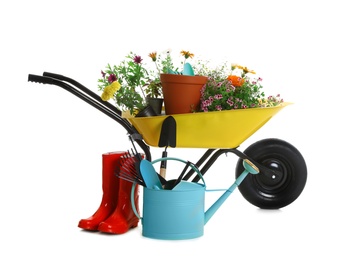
[267,191]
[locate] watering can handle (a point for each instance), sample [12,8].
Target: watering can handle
[194,167]
[133,200]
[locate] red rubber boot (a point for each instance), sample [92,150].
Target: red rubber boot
[110,185]
[123,218]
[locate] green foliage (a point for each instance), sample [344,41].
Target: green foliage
[223,95]
[224,90]
[153,88]
[218,72]
[167,63]
[132,76]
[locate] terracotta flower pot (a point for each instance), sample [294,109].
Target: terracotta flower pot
[181,93]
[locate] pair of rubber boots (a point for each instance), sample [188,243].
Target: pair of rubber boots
[115,214]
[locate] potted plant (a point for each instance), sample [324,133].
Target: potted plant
[226,90]
[124,84]
[153,91]
[153,86]
[181,89]
[185,88]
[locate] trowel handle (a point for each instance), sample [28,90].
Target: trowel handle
[194,167]
[162,172]
[163,168]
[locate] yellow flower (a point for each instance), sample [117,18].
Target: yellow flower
[109,91]
[187,54]
[115,86]
[234,66]
[245,69]
[105,96]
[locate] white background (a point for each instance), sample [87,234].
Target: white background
[51,141]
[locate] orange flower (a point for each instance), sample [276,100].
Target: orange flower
[187,54]
[236,80]
[153,56]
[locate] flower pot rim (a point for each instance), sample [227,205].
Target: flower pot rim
[181,75]
[177,78]
[154,98]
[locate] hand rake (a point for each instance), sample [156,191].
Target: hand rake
[128,168]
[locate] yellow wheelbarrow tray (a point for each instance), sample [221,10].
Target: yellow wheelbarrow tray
[218,129]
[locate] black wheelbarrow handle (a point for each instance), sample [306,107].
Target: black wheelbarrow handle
[84,89]
[91,98]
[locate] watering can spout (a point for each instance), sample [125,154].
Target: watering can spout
[249,168]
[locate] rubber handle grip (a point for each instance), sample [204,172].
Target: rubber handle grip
[40,79]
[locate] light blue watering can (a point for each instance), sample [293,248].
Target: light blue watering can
[179,213]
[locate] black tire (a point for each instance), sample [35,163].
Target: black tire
[265,192]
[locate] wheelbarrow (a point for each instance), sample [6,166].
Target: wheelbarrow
[282,169]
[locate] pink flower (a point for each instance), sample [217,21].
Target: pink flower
[112,78]
[137,59]
[218,96]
